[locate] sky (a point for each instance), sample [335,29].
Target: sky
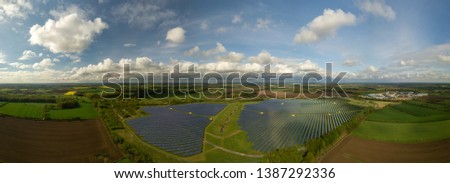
[79,41]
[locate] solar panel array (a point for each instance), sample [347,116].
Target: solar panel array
[178,129]
[273,124]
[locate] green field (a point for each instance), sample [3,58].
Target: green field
[407,113]
[404,132]
[224,131]
[405,123]
[24,110]
[85,111]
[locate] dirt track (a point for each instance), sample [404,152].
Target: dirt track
[23,140]
[353,149]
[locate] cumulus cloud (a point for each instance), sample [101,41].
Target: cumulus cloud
[27,54]
[222,30]
[175,35]
[2,58]
[324,25]
[371,69]
[444,58]
[144,15]
[350,63]
[263,57]
[308,65]
[377,8]
[236,19]
[218,49]
[433,56]
[20,65]
[232,57]
[76,60]
[263,23]
[94,72]
[406,62]
[195,51]
[62,11]
[129,45]
[14,9]
[204,25]
[70,33]
[44,64]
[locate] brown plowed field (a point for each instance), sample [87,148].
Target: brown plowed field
[23,140]
[353,149]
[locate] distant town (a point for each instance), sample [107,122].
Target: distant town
[395,95]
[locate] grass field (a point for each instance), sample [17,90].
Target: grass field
[404,112]
[405,123]
[85,111]
[404,132]
[24,110]
[224,131]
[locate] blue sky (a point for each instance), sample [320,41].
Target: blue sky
[79,41]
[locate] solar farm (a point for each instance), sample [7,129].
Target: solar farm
[177,129]
[270,124]
[273,124]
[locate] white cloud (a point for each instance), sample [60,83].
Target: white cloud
[324,25]
[218,67]
[144,15]
[76,61]
[14,9]
[263,57]
[263,23]
[407,62]
[176,35]
[129,45]
[444,58]
[70,33]
[377,8]
[222,30]
[94,72]
[2,58]
[193,51]
[232,57]
[218,49]
[103,1]
[20,65]
[433,56]
[308,65]
[62,11]
[371,69]
[35,76]
[350,63]
[236,19]
[204,25]
[27,54]
[44,64]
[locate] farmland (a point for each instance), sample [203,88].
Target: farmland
[359,150]
[404,132]
[85,111]
[407,123]
[24,110]
[25,140]
[38,111]
[219,130]
[413,131]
